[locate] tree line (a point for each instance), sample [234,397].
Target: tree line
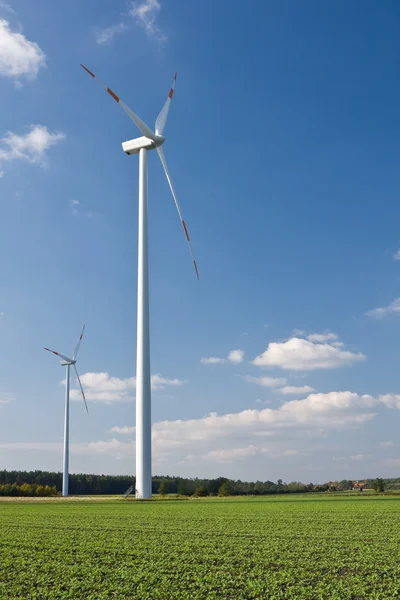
[16,483]
[27,489]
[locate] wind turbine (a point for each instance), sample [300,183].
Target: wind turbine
[141,145]
[67,362]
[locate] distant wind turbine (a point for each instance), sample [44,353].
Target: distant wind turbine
[141,145]
[67,362]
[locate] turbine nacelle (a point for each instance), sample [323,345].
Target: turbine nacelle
[65,363]
[135,145]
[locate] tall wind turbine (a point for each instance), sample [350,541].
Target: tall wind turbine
[141,145]
[67,362]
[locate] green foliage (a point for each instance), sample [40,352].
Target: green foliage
[27,489]
[163,489]
[78,483]
[200,492]
[87,484]
[281,547]
[379,485]
[345,484]
[226,489]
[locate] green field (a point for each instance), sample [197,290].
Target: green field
[286,547]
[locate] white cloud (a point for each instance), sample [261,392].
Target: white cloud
[396,255]
[390,400]
[270,382]
[46,446]
[110,446]
[294,389]
[278,434]
[357,457]
[232,453]
[100,387]
[212,360]
[393,307]
[106,35]
[1,174]
[322,337]
[298,333]
[159,383]
[252,432]
[19,57]
[145,13]
[331,410]
[229,455]
[124,430]
[303,355]
[31,147]
[235,357]
[387,444]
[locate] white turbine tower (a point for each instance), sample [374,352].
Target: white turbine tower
[67,362]
[141,145]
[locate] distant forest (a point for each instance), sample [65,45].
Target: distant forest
[45,483]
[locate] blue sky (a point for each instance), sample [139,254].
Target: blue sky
[283,145]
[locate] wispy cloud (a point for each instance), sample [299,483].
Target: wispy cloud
[19,57]
[294,389]
[7,8]
[396,255]
[357,457]
[73,204]
[322,337]
[269,382]
[145,13]
[31,146]
[378,313]
[106,35]
[235,357]
[6,397]
[142,13]
[76,208]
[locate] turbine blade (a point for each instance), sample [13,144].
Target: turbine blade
[80,385]
[168,176]
[60,355]
[141,125]
[78,344]
[163,115]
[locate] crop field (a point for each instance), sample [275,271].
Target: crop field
[283,547]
